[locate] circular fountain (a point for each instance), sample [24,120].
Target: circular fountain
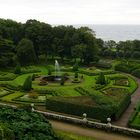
[53,78]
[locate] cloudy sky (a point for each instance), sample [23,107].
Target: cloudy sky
[72,11]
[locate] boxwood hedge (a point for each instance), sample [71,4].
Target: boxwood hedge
[60,104]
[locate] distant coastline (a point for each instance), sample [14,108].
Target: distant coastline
[114,32]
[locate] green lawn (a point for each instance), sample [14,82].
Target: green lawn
[134,120]
[12,96]
[68,90]
[71,136]
[137,119]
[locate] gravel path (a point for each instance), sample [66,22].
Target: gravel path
[97,134]
[135,97]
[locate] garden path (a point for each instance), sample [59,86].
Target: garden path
[97,134]
[135,97]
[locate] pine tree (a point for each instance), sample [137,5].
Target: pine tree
[27,84]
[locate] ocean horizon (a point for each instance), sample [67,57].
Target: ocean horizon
[114,31]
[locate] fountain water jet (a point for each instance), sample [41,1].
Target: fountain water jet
[53,78]
[57,71]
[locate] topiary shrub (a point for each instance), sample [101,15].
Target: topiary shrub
[33,77]
[62,82]
[101,79]
[27,86]
[17,69]
[49,72]
[75,67]
[76,75]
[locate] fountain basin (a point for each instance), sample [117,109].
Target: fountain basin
[52,78]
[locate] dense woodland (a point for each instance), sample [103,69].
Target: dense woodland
[25,43]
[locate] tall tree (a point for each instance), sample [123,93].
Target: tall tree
[6,52]
[25,52]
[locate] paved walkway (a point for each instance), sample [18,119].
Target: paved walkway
[97,134]
[134,100]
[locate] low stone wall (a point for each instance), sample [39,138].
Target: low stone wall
[91,124]
[86,123]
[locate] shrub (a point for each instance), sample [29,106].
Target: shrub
[30,69]
[6,134]
[98,86]
[26,107]
[103,64]
[33,77]
[101,79]
[123,68]
[122,82]
[17,69]
[75,67]
[76,75]
[26,125]
[76,80]
[43,82]
[33,95]
[122,106]
[136,73]
[49,72]
[62,81]
[128,67]
[27,84]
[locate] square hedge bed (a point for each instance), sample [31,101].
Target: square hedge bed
[134,120]
[94,105]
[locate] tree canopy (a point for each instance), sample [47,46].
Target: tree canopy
[25,43]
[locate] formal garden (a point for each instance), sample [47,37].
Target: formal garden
[98,91]
[91,76]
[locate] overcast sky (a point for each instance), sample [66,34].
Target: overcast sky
[72,11]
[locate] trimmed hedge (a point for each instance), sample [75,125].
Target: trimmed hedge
[122,106]
[96,73]
[132,68]
[123,68]
[133,116]
[103,103]
[47,91]
[30,69]
[7,76]
[136,73]
[103,64]
[101,112]
[10,86]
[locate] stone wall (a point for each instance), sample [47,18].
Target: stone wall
[84,122]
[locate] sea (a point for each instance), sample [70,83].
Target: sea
[115,32]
